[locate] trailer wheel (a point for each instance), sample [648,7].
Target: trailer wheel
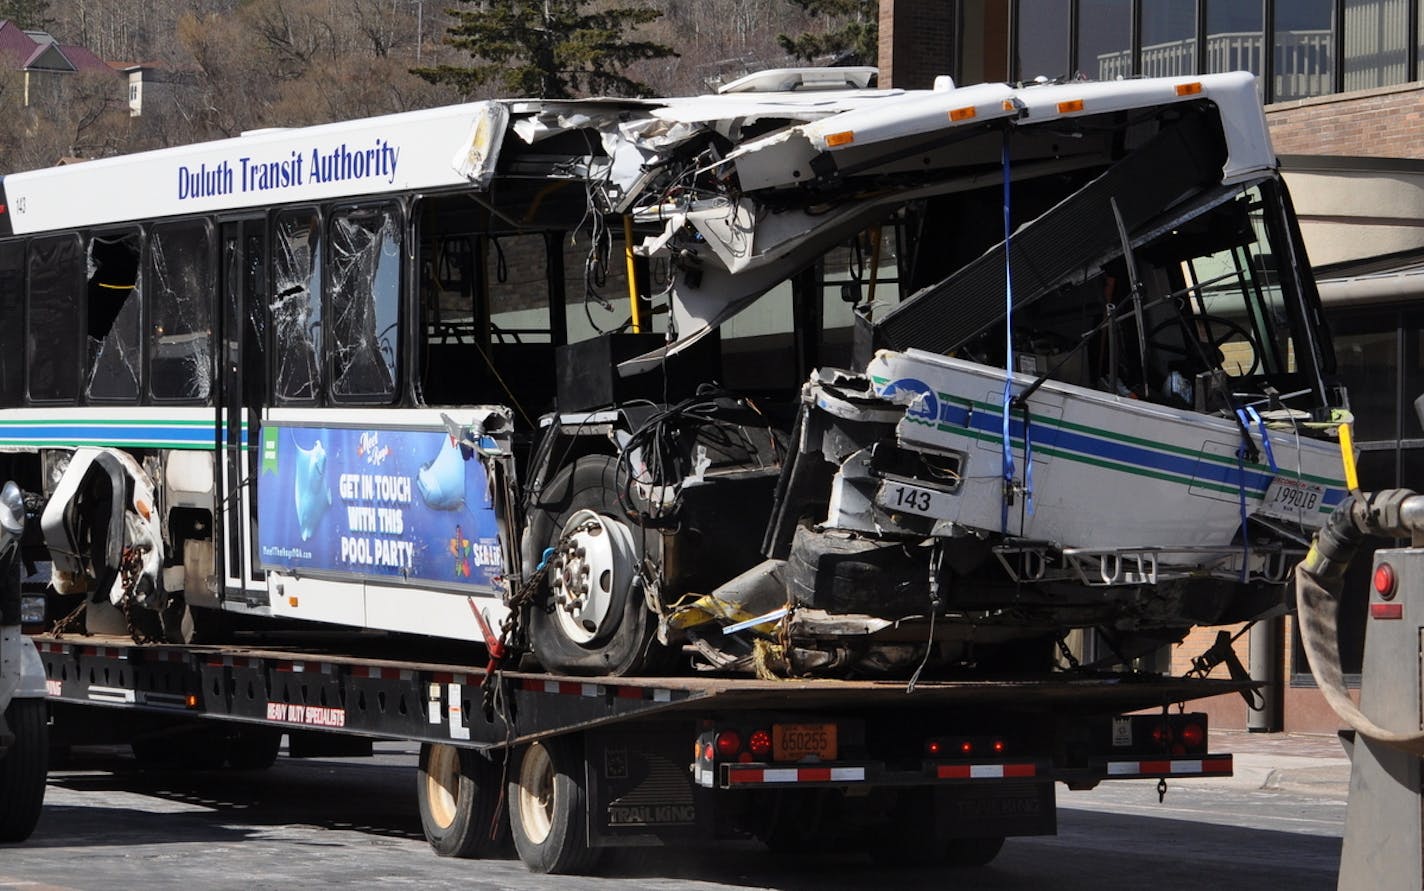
[548,810]
[967,852]
[458,792]
[253,748]
[592,618]
[24,769]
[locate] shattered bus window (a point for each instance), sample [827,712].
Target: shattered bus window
[296,303]
[365,303]
[56,281]
[179,283]
[114,319]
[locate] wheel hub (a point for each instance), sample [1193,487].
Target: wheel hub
[590,572]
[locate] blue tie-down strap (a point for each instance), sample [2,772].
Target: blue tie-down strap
[1260,424]
[544,559]
[1241,495]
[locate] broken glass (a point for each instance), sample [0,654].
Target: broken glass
[296,303]
[115,335]
[180,287]
[365,303]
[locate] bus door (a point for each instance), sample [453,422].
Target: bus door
[241,386]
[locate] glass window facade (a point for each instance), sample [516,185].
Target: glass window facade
[1105,48]
[1298,48]
[1169,38]
[1376,43]
[1043,42]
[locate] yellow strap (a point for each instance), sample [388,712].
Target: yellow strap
[635,309]
[1347,455]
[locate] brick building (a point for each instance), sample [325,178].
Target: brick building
[1343,85]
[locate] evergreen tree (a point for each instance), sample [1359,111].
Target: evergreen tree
[26,13]
[552,49]
[853,38]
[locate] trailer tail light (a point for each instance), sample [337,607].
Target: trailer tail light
[729,744]
[935,748]
[1385,581]
[999,747]
[1193,736]
[966,747]
[760,744]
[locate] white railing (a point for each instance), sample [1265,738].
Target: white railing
[1303,59]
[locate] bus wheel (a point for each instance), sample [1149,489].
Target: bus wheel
[592,618]
[548,809]
[23,769]
[458,790]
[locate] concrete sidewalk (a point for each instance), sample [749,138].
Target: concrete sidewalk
[1302,763]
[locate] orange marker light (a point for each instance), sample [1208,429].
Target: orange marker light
[1190,89]
[1070,106]
[962,114]
[838,139]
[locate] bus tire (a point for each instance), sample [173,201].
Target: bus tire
[548,809]
[591,617]
[24,769]
[458,793]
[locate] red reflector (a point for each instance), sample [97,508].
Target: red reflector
[760,744]
[1384,581]
[729,743]
[1386,610]
[1193,735]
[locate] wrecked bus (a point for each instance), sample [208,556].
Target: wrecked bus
[805,377]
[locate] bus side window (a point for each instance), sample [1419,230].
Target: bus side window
[364,303]
[180,290]
[12,333]
[296,303]
[52,323]
[115,335]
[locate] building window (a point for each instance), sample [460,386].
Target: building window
[1043,39]
[1376,38]
[1169,38]
[1235,38]
[1105,49]
[1304,49]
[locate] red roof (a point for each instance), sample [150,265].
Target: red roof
[19,50]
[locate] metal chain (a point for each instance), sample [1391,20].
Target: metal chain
[1067,654]
[509,629]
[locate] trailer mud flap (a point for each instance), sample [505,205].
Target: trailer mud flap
[640,791]
[1008,809]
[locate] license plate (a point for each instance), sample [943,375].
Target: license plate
[1291,499]
[906,498]
[794,742]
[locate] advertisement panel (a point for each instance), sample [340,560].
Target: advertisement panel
[401,505]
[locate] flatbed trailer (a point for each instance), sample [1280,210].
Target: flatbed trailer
[935,771]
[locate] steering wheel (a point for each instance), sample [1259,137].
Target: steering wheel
[1221,332]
